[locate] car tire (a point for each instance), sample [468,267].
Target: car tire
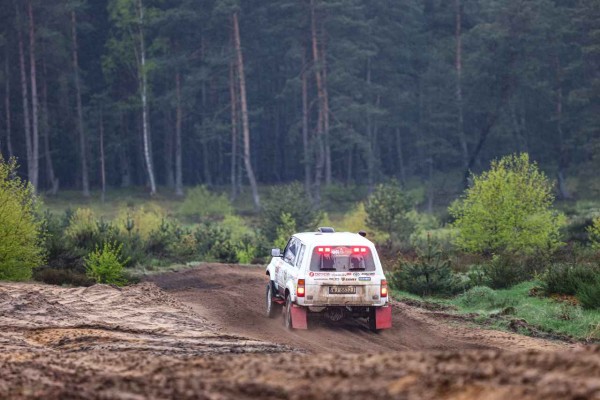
[272,308]
[373,320]
[287,313]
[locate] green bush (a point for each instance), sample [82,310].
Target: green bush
[503,272]
[508,209]
[594,234]
[21,247]
[479,295]
[387,211]
[202,204]
[430,274]
[105,265]
[567,279]
[290,200]
[284,231]
[588,294]
[215,243]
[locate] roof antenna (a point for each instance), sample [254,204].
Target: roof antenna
[362,233]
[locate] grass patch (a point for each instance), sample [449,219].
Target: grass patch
[506,309]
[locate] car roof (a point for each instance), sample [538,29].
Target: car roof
[333,239]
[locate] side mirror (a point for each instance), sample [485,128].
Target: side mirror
[275,253]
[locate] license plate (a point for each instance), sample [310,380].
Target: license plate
[342,289]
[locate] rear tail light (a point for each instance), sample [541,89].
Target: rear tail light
[384,288]
[300,289]
[359,250]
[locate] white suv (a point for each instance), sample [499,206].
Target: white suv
[337,275]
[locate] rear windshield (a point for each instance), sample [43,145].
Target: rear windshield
[342,258]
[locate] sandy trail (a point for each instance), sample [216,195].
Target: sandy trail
[232,296]
[204,337]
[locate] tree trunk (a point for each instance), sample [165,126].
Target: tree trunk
[123,156]
[178,150]
[320,161]
[305,144]
[52,180]
[563,154]
[400,155]
[9,148]
[244,106]
[143,78]
[325,112]
[170,126]
[25,97]
[85,180]
[35,139]
[102,158]
[459,92]
[234,130]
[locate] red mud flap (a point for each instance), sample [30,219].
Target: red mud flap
[299,320]
[383,317]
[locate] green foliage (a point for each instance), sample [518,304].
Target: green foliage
[215,243]
[430,274]
[594,234]
[588,294]
[20,230]
[290,200]
[284,231]
[201,204]
[503,272]
[508,209]
[479,295]
[567,279]
[387,211]
[105,265]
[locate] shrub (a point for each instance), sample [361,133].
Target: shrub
[20,231]
[503,272]
[588,294]
[143,221]
[161,240]
[284,231]
[343,197]
[82,230]
[566,279]
[387,211]
[508,209]
[105,265]
[594,234]
[429,275]
[291,200]
[479,295]
[200,204]
[215,242]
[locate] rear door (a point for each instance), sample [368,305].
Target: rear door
[343,275]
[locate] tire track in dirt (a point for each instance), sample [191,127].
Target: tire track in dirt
[233,297]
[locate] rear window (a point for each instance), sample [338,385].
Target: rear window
[342,258]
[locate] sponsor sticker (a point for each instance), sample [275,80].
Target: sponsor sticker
[364,278]
[311,274]
[349,279]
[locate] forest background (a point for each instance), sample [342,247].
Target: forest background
[162,131]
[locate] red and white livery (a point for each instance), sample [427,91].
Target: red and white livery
[335,275]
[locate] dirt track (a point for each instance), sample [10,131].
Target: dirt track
[233,297]
[204,337]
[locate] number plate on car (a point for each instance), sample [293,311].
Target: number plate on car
[342,289]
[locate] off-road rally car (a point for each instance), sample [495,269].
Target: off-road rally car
[328,274]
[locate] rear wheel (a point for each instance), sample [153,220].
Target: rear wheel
[272,308]
[287,313]
[373,320]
